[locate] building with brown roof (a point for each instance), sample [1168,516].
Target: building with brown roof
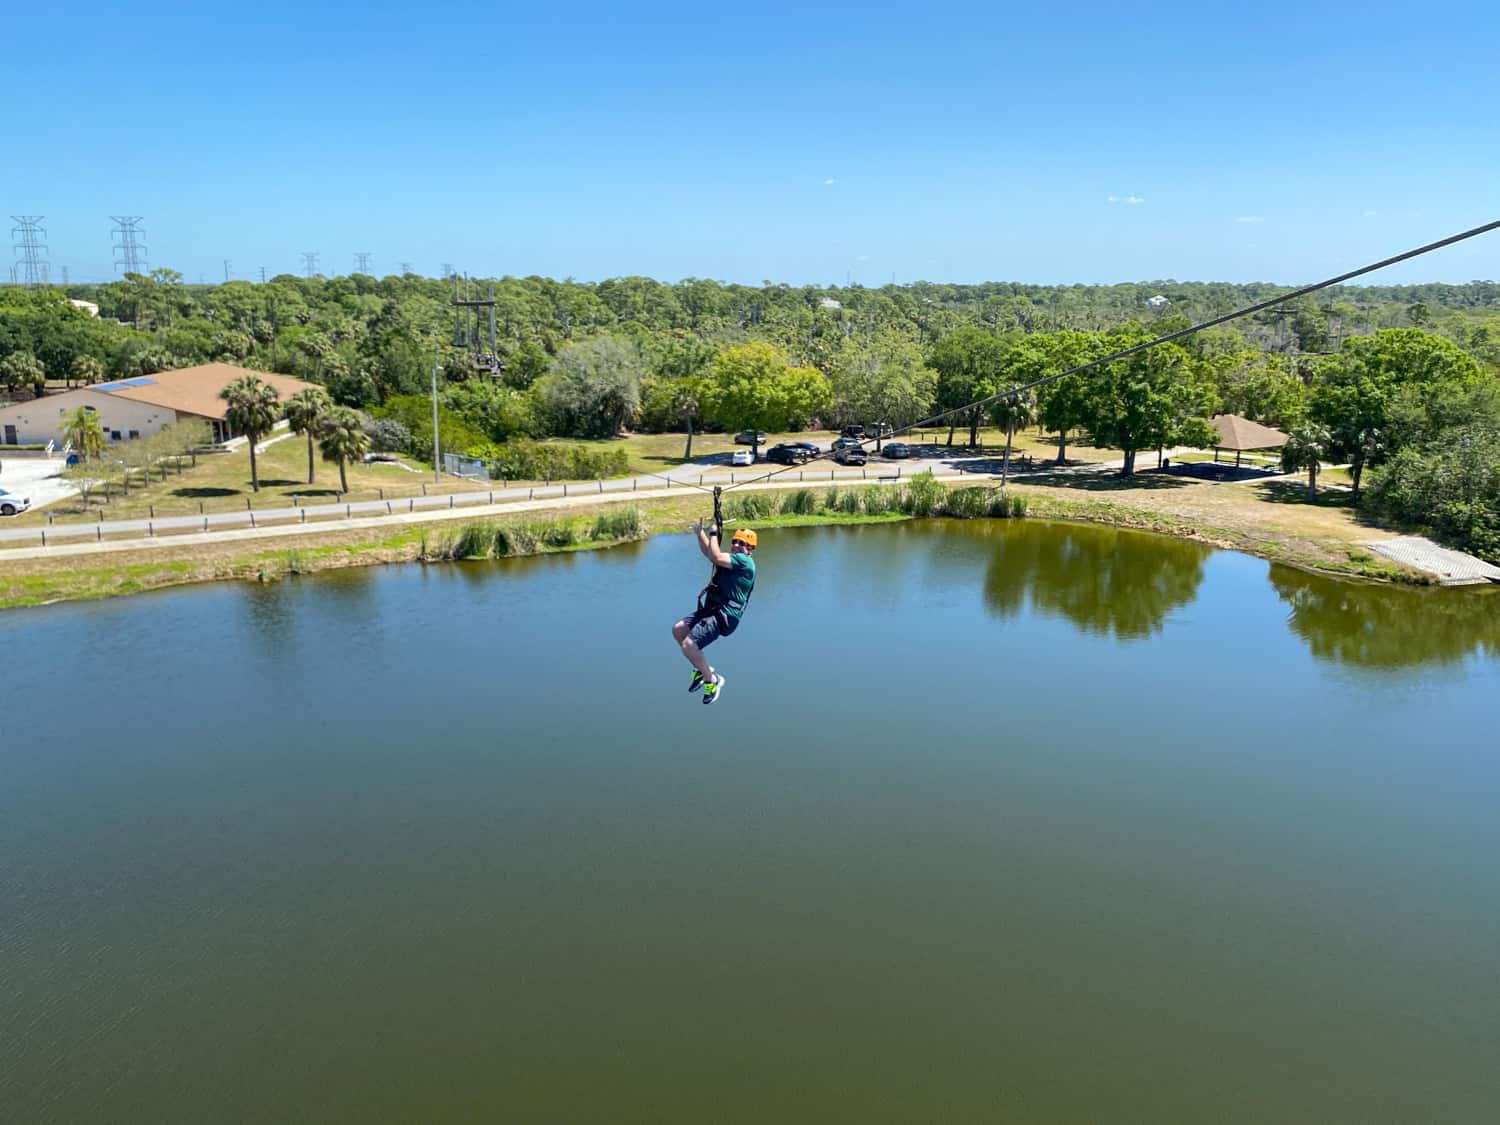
[133,408]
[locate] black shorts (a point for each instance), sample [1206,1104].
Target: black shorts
[705,626]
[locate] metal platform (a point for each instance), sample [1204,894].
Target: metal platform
[1453,568]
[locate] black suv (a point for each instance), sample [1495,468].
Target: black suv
[788,453]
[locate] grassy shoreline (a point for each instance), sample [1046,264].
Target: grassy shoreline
[46,581]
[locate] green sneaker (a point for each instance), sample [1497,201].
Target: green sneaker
[697,682]
[712,691]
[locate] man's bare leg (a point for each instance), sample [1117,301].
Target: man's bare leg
[691,651]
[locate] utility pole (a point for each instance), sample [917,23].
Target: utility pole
[129,251]
[437,476]
[361,261]
[226,269]
[31,248]
[65,277]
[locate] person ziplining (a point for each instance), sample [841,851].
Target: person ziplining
[721,604]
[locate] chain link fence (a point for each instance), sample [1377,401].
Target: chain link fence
[470,468]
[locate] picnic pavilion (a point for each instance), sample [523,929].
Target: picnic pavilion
[1241,435]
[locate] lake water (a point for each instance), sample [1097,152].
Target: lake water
[995,822]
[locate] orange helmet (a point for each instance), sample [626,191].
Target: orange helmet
[745,536]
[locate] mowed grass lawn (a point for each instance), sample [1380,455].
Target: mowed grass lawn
[221,482]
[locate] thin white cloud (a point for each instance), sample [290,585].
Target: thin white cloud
[1130,200]
[829,181]
[1367,214]
[863,258]
[1250,219]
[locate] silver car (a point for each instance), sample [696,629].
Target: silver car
[11,504]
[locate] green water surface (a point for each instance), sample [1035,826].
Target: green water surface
[995,822]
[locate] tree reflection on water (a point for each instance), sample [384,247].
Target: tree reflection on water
[1387,626]
[1104,580]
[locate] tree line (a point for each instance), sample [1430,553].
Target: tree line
[1393,379]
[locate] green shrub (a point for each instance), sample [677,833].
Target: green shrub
[849,502]
[923,496]
[1007,505]
[626,523]
[831,499]
[524,459]
[967,503]
[803,502]
[750,507]
[881,499]
[515,540]
[557,534]
[476,541]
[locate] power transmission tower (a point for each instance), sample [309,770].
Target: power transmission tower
[130,252]
[447,269]
[262,275]
[65,277]
[32,268]
[309,263]
[361,261]
[405,268]
[226,269]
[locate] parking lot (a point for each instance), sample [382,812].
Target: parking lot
[923,457]
[36,477]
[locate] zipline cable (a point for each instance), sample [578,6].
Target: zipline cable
[1168,338]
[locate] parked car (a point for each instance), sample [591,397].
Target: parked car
[850,455]
[742,457]
[749,437]
[789,453]
[854,431]
[879,429]
[12,503]
[896,450]
[846,443]
[812,448]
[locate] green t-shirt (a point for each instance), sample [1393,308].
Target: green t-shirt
[733,584]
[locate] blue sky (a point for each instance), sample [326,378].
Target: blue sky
[800,143]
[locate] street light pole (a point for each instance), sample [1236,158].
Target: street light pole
[437,476]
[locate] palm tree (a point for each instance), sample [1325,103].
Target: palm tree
[305,411]
[20,368]
[86,369]
[1305,447]
[83,430]
[1015,412]
[253,410]
[342,437]
[687,400]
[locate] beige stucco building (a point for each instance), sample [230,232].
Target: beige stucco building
[136,408]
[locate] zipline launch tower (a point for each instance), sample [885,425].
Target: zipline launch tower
[467,331]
